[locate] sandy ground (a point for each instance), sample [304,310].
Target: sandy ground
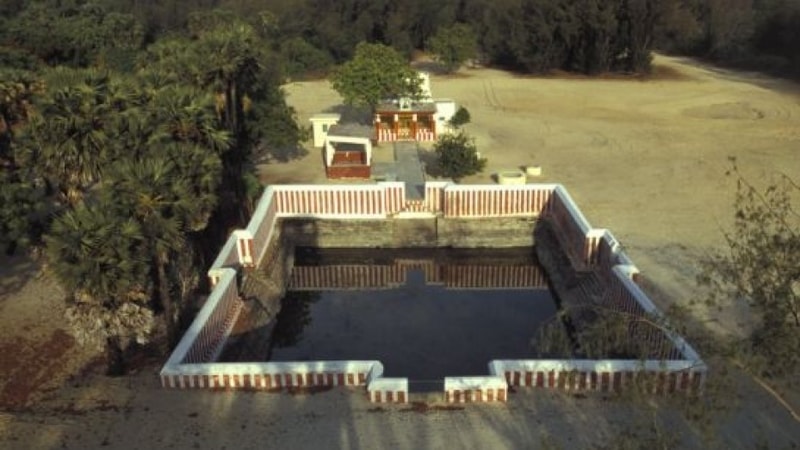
[643,158]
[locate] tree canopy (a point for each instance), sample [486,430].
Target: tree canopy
[376,72]
[457,156]
[117,170]
[454,45]
[761,266]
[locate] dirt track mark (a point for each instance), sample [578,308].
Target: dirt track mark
[490,96]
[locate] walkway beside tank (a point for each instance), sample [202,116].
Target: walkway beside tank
[406,167]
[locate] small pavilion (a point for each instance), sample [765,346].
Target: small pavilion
[347,148]
[405,120]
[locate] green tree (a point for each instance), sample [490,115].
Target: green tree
[18,91]
[453,45]
[97,256]
[154,195]
[457,156]
[68,142]
[729,27]
[23,209]
[300,58]
[460,118]
[761,265]
[73,32]
[375,73]
[231,60]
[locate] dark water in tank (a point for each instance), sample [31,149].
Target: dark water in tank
[425,314]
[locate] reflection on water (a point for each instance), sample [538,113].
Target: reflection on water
[294,315]
[424,313]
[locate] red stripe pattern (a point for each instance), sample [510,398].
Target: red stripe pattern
[425,136]
[263,232]
[346,277]
[499,277]
[496,201]
[660,382]
[265,381]
[385,277]
[386,135]
[351,201]
[388,397]
[475,395]
[569,232]
[210,338]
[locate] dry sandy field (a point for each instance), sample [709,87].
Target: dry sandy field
[645,158]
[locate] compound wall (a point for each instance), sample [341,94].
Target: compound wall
[460,215]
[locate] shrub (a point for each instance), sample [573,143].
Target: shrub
[457,156]
[461,117]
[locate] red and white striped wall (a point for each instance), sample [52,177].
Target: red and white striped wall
[475,389]
[330,201]
[270,375]
[677,367]
[425,136]
[286,375]
[494,277]
[262,225]
[627,296]
[601,376]
[486,201]
[346,277]
[386,135]
[224,307]
[388,390]
[246,247]
[434,195]
[354,276]
[228,257]
[204,338]
[572,229]
[394,196]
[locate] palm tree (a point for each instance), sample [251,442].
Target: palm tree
[97,256]
[19,195]
[155,195]
[186,114]
[18,89]
[69,140]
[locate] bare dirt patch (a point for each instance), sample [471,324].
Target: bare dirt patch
[26,367]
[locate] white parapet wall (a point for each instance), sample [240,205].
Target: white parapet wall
[475,389]
[192,365]
[571,228]
[601,375]
[227,258]
[270,375]
[386,390]
[207,333]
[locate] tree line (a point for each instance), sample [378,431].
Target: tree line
[535,36]
[127,162]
